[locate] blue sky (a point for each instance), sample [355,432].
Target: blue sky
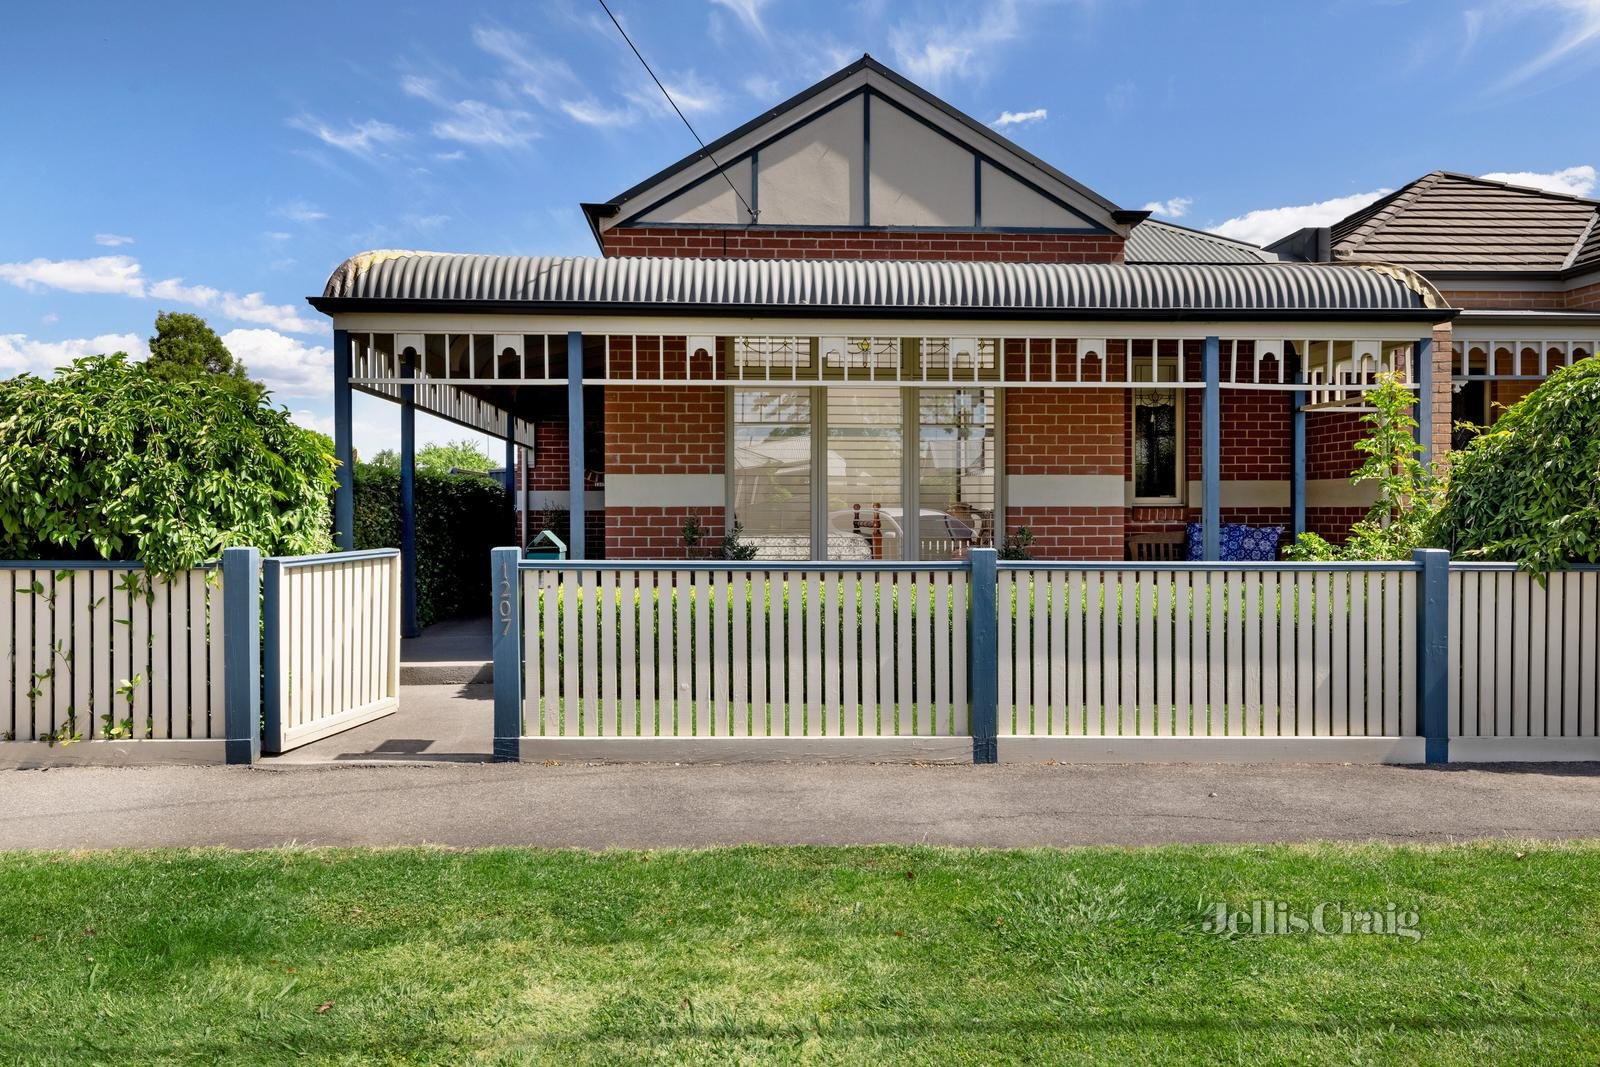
[191,157]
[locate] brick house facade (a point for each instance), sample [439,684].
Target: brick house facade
[865,223]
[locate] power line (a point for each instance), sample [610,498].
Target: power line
[748,209]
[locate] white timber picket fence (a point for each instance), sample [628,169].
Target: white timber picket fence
[984,660]
[1524,664]
[1310,660]
[105,662]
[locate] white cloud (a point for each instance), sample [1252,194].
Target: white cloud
[748,12]
[1020,118]
[450,157]
[425,222]
[1268,224]
[313,420]
[1580,30]
[112,240]
[101,274]
[287,365]
[540,76]
[1173,208]
[1574,181]
[251,307]
[22,354]
[360,139]
[49,318]
[472,121]
[301,211]
[593,113]
[692,95]
[932,53]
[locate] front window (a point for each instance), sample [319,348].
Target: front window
[864,473]
[1157,438]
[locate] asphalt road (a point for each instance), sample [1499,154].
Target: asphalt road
[656,806]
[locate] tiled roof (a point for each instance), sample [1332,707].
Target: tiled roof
[1162,242]
[1454,222]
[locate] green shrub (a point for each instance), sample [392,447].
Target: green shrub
[1527,489]
[460,518]
[106,460]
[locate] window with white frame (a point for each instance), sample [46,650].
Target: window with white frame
[864,473]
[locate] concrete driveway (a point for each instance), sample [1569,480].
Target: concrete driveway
[654,806]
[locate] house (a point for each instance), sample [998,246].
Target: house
[866,326]
[1523,264]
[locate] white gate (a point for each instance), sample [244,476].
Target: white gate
[331,654]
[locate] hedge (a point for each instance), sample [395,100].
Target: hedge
[460,518]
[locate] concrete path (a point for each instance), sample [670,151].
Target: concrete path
[650,806]
[435,723]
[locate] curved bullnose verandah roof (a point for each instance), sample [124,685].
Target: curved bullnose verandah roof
[429,281]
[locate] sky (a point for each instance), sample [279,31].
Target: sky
[223,159]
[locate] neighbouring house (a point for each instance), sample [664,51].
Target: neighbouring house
[866,326]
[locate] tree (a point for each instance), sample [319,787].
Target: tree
[1409,494]
[109,459]
[454,456]
[457,455]
[1527,489]
[184,347]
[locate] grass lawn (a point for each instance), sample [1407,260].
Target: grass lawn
[793,954]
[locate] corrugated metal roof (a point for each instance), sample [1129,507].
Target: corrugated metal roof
[856,285]
[1162,242]
[1444,221]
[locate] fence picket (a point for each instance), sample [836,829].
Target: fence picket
[1339,681]
[922,701]
[1502,661]
[854,632]
[1271,650]
[795,712]
[1005,602]
[719,653]
[1128,611]
[1022,658]
[886,649]
[958,656]
[943,637]
[1218,666]
[1589,583]
[1183,615]
[682,642]
[742,696]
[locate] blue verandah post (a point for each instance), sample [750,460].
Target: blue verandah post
[1211,451]
[241,654]
[506,619]
[1433,652]
[1297,447]
[408,505]
[577,547]
[344,494]
[983,654]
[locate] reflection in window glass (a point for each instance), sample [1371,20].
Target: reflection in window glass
[772,470]
[956,471]
[865,435]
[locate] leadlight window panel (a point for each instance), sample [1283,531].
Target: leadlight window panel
[944,357]
[1158,425]
[758,354]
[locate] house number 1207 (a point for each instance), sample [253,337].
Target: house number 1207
[505,599]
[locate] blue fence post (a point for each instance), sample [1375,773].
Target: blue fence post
[271,655]
[983,654]
[241,654]
[1433,652]
[507,622]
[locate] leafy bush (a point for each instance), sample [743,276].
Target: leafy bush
[460,518]
[1527,489]
[106,460]
[1409,494]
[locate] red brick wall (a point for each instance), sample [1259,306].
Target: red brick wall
[662,430]
[657,533]
[1330,444]
[1584,298]
[780,243]
[1068,432]
[1509,299]
[666,429]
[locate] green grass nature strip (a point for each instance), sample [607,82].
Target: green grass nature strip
[857,955]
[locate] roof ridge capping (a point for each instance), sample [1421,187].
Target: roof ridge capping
[1431,296]
[344,276]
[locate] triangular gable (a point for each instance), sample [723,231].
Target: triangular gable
[864,148]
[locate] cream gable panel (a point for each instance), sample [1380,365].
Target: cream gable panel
[711,201]
[1009,203]
[919,178]
[812,177]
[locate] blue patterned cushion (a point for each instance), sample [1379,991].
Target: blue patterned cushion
[1238,543]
